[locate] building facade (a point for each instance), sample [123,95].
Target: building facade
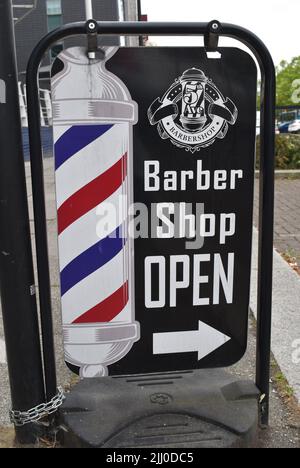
[42,16]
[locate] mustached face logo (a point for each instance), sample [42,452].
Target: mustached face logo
[193,113]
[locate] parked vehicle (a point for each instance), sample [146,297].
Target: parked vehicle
[257,123]
[287,119]
[294,127]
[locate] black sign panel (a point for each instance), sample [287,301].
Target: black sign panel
[194,151]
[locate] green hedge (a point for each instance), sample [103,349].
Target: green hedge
[287,151]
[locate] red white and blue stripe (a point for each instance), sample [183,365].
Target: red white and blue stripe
[91,164]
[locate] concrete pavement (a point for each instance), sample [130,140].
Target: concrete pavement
[286,317]
[286,282]
[287,216]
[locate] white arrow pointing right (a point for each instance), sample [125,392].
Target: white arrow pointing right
[204,341]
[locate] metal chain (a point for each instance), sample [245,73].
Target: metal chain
[20,418]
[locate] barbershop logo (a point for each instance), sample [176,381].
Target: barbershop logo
[193,113]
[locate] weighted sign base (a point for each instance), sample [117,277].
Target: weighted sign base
[191,409]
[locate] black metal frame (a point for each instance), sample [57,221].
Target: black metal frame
[18,298]
[266,218]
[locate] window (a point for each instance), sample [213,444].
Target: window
[54,21]
[54,16]
[56,50]
[54,7]
[54,13]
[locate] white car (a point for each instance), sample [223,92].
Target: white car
[294,127]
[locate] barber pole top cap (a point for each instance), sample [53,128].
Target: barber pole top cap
[109,101]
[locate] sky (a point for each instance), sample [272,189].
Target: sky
[276,22]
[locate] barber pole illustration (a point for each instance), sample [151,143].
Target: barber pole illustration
[93,115]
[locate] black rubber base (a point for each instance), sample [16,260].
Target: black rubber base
[191,409]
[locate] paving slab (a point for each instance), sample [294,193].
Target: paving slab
[287,216]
